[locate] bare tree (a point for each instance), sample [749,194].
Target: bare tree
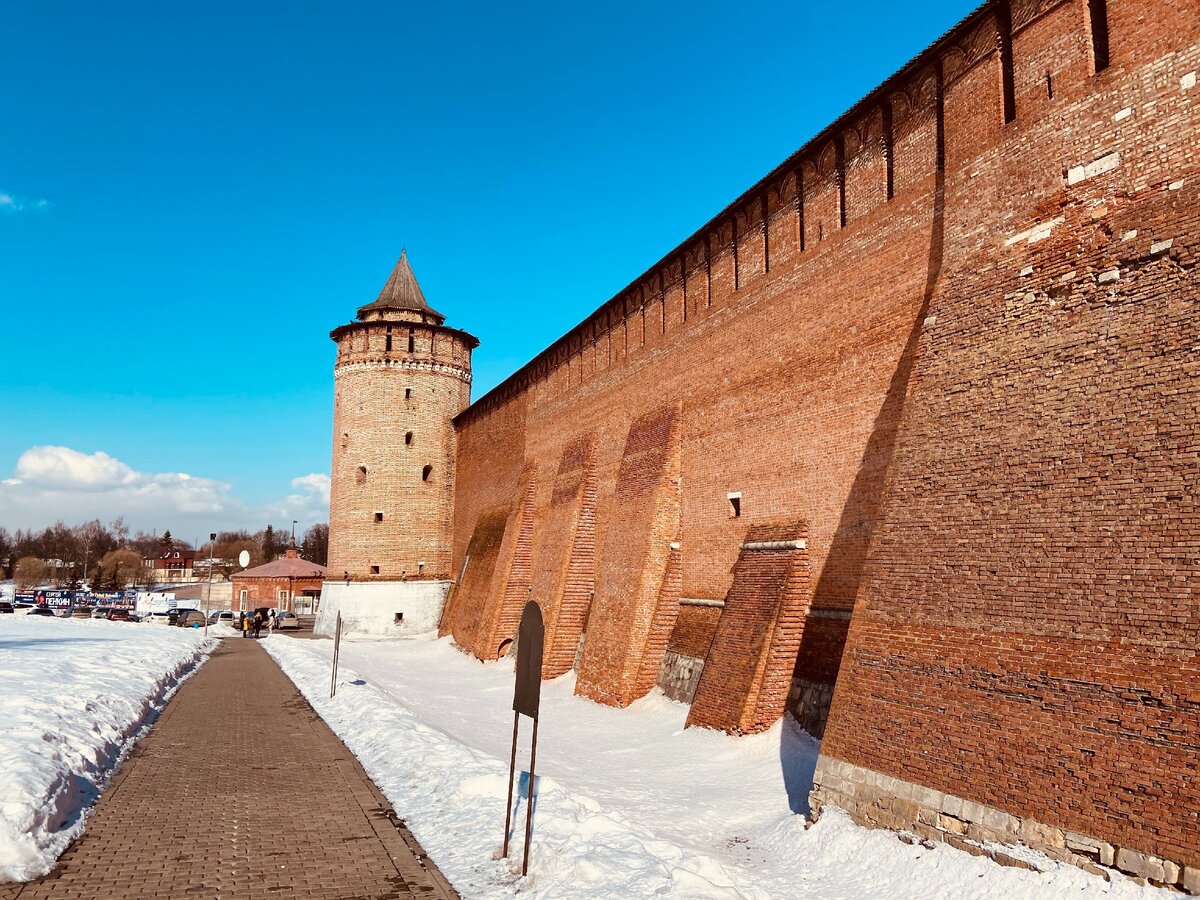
[30,572]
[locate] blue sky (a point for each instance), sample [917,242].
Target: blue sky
[193,194]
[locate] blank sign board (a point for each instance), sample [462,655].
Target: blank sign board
[528,693]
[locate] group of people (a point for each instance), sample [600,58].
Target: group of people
[256,622]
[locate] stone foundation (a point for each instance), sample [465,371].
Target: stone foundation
[679,676]
[881,801]
[372,607]
[808,702]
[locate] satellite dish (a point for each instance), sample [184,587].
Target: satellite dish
[244,558]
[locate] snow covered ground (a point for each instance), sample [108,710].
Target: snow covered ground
[629,803]
[73,693]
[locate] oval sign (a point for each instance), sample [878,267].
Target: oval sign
[244,558]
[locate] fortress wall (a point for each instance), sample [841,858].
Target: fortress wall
[781,360]
[1022,659]
[997,347]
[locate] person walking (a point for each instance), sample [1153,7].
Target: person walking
[245,625]
[258,624]
[272,621]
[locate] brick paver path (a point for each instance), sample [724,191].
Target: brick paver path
[240,790]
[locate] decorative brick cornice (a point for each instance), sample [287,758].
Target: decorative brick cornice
[410,365]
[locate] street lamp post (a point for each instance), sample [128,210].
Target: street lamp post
[208,593]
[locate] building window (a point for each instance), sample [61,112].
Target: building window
[374,570]
[408,393]
[282,595]
[387,341]
[426,472]
[398,619]
[345,439]
[378,517]
[735,504]
[361,475]
[412,341]
[408,439]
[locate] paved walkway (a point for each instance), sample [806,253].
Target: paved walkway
[240,791]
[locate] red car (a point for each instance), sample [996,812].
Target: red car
[119,615]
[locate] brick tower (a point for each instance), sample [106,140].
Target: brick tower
[400,378]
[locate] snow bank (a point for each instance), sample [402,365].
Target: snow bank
[73,692]
[629,803]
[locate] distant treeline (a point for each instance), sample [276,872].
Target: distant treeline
[66,556]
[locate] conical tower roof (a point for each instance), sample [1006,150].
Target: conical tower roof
[402,292]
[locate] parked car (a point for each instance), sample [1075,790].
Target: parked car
[80,612]
[100,612]
[225,617]
[159,618]
[287,619]
[174,614]
[116,614]
[188,618]
[6,607]
[41,611]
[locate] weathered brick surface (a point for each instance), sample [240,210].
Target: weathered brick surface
[744,686]
[955,334]
[564,567]
[1028,628]
[284,811]
[638,578]
[399,379]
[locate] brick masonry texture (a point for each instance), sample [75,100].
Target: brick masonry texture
[955,335]
[273,815]
[746,683]
[392,417]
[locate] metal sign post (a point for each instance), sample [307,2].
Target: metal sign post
[527,697]
[337,649]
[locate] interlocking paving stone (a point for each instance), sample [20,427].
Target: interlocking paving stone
[241,791]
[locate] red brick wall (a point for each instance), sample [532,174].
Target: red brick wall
[265,591]
[380,396]
[637,576]
[564,568]
[1026,621]
[694,630]
[745,683]
[1027,633]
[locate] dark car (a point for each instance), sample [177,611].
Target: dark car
[187,618]
[6,607]
[81,612]
[174,614]
[41,611]
[119,615]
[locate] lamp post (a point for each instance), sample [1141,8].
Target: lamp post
[208,593]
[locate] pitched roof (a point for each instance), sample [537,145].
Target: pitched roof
[402,291]
[287,567]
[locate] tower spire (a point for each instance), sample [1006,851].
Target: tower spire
[401,291]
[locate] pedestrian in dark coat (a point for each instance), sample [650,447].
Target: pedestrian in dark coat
[258,624]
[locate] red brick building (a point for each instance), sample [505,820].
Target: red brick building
[287,583]
[912,424]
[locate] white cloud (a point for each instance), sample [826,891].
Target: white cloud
[9,203]
[315,483]
[62,483]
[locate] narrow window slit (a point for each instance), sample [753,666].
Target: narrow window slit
[1098,20]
